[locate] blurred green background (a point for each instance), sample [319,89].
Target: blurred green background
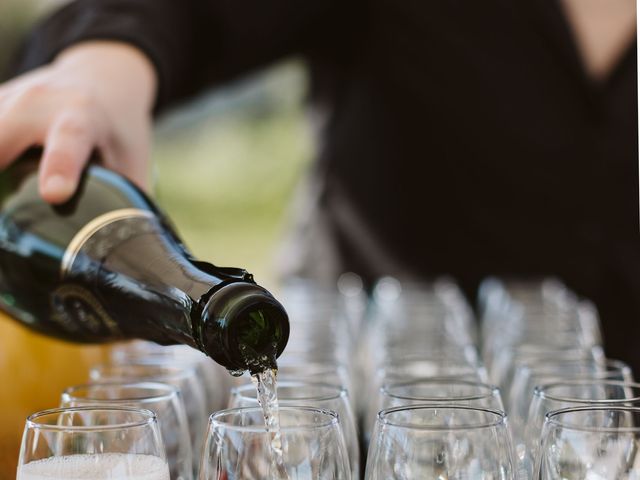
[226,164]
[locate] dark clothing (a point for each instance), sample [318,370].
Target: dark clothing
[461,137]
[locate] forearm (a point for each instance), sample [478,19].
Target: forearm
[161,29]
[194,44]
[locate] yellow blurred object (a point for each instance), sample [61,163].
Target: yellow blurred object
[34,370]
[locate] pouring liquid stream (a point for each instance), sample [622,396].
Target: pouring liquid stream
[266,386]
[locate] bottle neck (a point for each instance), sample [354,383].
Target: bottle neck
[146,260]
[220,311]
[243,327]
[186,293]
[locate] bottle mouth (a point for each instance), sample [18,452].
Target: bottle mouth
[245,328]
[258,335]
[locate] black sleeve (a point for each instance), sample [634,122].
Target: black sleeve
[192,43]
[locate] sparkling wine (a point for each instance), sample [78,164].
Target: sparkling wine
[267,388]
[105,466]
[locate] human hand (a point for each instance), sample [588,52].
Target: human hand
[93,95]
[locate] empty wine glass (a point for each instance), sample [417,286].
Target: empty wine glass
[433,390]
[590,443]
[428,365]
[569,394]
[239,446]
[409,317]
[92,443]
[530,374]
[325,396]
[216,381]
[162,399]
[453,442]
[503,367]
[182,377]
[460,365]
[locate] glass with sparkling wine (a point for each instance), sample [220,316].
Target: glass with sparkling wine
[92,443]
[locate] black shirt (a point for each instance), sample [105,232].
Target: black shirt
[460,136]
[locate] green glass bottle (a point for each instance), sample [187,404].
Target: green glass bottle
[107,265]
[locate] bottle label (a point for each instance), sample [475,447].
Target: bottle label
[98,237]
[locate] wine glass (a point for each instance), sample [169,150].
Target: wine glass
[428,365]
[92,443]
[429,441]
[435,391]
[216,381]
[590,442]
[310,446]
[408,318]
[530,374]
[439,360]
[503,366]
[325,396]
[164,400]
[569,394]
[183,377]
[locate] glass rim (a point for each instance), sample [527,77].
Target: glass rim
[611,367]
[551,362]
[169,392]
[550,419]
[541,391]
[156,358]
[142,347]
[491,390]
[314,366]
[330,356]
[454,361]
[337,373]
[500,420]
[148,418]
[534,348]
[339,390]
[463,351]
[214,419]
[175,372]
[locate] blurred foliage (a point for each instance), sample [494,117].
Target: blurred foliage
[227,175]
[15,18]
[226,164]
